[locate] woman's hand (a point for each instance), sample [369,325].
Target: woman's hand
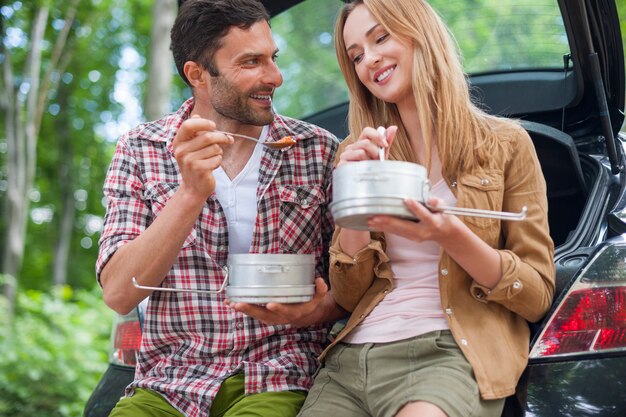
[432,224]
[476,257]
[367,146]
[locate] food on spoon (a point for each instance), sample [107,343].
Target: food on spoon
[284,142]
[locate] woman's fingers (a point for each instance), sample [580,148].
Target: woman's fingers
[368,145]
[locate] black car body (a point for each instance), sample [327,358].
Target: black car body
[573,112]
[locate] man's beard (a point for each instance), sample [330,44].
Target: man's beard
[230,102]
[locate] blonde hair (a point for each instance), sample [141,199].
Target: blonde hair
[466,136]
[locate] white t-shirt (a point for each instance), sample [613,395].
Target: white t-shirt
[238,199]
[413,306]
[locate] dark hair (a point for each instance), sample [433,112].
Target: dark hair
[201,24]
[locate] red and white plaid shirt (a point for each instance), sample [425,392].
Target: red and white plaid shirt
[192,342]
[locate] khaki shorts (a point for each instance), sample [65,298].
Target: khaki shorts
[378,379]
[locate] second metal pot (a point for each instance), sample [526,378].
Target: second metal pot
[265,278]
[367,188]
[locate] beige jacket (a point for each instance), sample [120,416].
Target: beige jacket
[490,326]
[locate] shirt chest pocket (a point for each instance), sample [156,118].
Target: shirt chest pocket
[483,190]
[156,196]
[300,218]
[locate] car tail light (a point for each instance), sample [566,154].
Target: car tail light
[125,340]
[591,317]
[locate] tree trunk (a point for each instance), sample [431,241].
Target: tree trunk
[68,204]
[160,62]
[23,120]
[21,152]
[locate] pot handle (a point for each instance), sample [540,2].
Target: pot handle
[145,287]
[502,215]
[460,211]
[274,269]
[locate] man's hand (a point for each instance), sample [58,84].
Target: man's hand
[198,152]
[321,309]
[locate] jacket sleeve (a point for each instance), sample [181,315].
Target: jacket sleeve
[351,277]
[527,256]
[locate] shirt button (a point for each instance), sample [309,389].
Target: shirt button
[303,201]
[517,285]
[453,184]
[484,181]
[464,342]
[480,294]
[361,316]
[385,292]
[444,272]
[449,311]
[240,326]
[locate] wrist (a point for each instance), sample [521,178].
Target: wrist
[190,197]
[332,310]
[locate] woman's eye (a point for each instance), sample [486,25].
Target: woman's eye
[357,58]
[382,38]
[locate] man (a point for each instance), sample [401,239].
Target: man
[181,196]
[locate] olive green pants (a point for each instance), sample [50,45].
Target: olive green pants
[229,402]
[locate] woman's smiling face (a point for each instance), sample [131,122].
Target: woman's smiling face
[383,63]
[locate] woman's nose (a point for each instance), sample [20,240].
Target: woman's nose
[372,59]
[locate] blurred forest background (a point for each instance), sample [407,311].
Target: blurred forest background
[76,74]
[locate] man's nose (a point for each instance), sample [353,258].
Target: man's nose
[273,75]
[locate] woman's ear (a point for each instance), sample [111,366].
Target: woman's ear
[194,73]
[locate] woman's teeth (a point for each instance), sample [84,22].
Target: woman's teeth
[384,75]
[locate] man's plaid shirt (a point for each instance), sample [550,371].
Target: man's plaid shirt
[191,342]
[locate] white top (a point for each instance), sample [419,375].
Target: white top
[413,306]
[238,199]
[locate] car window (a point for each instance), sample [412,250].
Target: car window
[505,35]
[493,36]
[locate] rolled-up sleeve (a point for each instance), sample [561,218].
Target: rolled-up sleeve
[527,258]
[127,214]
[352,276]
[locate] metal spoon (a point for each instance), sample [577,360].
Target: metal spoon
[381,150]
[285,142]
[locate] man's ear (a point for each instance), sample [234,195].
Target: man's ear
[195,74]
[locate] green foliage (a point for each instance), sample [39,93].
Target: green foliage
[312,80]
[74,150]
[506,34]
[53,353]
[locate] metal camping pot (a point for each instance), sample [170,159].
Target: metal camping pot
[277,278]
[367,188]
[260,278]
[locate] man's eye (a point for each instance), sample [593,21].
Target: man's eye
[252,61]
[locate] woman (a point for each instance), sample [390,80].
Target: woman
[440,306]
